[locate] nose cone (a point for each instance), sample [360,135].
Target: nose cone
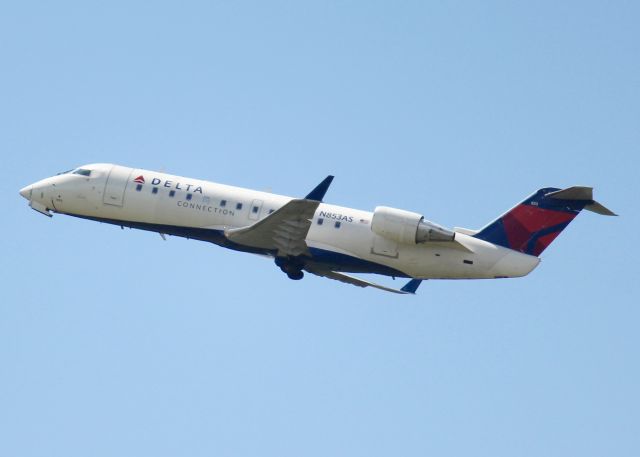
[26,192]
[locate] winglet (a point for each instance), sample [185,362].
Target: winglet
[411,286]
[317,194]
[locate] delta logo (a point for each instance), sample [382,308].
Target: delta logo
[166,183]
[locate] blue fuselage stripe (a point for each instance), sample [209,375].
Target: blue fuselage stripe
[329,259]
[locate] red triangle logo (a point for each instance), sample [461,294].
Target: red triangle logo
[139,179]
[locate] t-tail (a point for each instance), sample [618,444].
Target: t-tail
[531,226]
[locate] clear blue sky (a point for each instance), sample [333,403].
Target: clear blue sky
[115,343]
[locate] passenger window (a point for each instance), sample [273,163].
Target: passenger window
[337,224]
[189,196]
[255,210]
[239,206]
[223,203]
[139,187]
[154,190]
[320,221]
[172,193]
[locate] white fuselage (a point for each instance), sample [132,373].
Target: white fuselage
[339,236]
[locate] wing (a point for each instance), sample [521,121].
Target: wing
[284,230]
[409,288]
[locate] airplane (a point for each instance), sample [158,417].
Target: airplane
[308,235]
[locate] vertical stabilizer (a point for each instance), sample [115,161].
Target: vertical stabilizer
[532,225]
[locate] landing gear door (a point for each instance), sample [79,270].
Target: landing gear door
[116,185]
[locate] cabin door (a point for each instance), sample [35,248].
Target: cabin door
[116,185]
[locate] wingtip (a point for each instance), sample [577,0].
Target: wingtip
[411,286]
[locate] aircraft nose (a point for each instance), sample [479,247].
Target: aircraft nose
[26,192]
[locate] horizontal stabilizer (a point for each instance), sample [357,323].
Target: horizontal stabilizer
[465,231]
[596,207]
[456,244]
[582,193]
[572,193]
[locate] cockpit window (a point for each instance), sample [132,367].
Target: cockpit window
[82,171]
[64,172]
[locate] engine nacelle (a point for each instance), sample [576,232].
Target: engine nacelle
[407,227]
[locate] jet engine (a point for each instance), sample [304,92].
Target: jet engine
[407,227]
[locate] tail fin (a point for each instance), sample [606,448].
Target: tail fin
[531,226]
